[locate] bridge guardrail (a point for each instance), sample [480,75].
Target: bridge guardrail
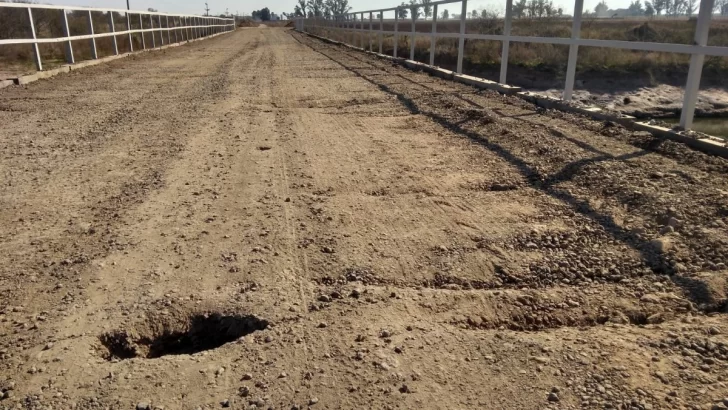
[183,27]
[347,23]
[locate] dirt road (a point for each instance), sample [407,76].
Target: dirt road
[262,220]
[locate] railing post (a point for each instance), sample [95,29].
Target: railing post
[396,31]
[175,29]
[94,53]
[113,30]
[461,39]
[128,28]
[433,38]
[371,47]
[361,37]
[36,51]
[381,29]
[696,65]
[573,50]
[161,32]
[66,32]
[414,12]
[169,32]
[141,27]
[506,42]
[151,26]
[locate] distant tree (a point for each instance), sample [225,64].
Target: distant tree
[427,8]
[446,14]
[337,7]
[149,9]
[262,14]
[721,6]
[402,11]
[676,7]
[415,10]
[532,8]
[659,5]
[303,6]
[635,8]
[519,9]
[690,7]
[601,10]
[316,7]
[297,11]
[649,9]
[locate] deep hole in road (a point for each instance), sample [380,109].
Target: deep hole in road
[163,336]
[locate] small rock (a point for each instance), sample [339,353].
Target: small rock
[219,371]
[268,339]
[666,230]
[714,331]
[661,245]
[143,405]
[649,298]
[553,397]
[541,359]
[673,222]
[225,403]
[404,389]
[283,375]
[322,325]
[313,401]
[324,298]
[247,376]
[385,333]
[327,249]
[244,391]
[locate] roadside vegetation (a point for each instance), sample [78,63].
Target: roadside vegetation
[661,21]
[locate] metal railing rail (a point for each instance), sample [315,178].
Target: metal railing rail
[184,27]
[349,24]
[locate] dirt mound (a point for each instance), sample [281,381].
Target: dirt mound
[248,23]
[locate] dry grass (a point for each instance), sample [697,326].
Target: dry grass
[533,60]
[18,59]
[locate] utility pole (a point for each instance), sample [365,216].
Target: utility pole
[127,5]
[207,9]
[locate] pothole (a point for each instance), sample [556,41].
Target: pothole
[164,335]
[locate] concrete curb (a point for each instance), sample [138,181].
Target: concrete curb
[709,145]
[26,79]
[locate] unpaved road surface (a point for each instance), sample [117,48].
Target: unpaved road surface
[263,220]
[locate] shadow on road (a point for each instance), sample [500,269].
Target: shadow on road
[695,290]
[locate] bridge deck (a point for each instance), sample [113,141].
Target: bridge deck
[413,242]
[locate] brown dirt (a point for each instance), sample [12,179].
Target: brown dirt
[266,220]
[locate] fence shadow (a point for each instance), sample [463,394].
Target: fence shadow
[695,290]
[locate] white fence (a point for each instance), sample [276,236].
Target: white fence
[178,27]
[349,25]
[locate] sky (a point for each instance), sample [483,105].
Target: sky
[279,6]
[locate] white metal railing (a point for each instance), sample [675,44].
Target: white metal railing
[350,25]
[184,27]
